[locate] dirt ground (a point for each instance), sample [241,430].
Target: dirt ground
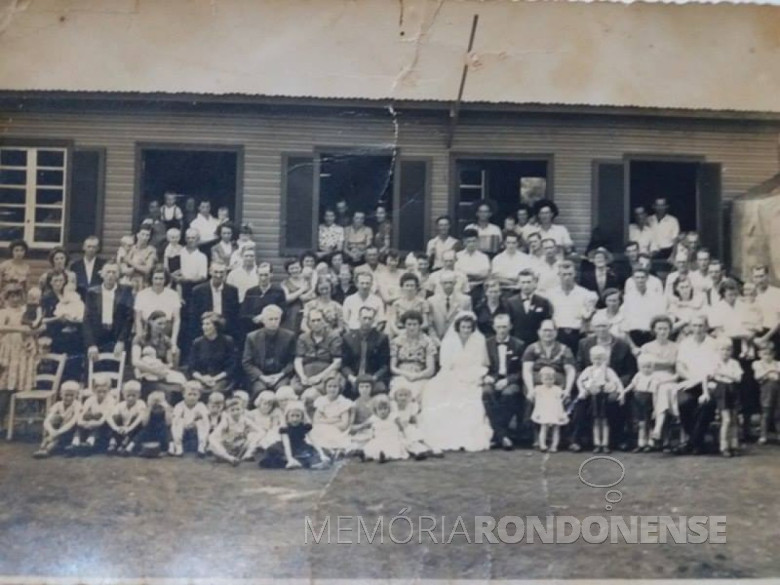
[100,516]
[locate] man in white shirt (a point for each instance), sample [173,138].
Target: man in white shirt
[641,232]
[573,306]
[768,299]
[108,314]
[665,227]
[194,264]
[697,358]
[488,234]
[654,284]
[640,306]
[442,243]
[473,263]
[372,266]
[363,298]
[205,224]
[509,263]
[88,268]
[548,269]
[449,259]
[244,277]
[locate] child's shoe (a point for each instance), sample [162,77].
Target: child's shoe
[111,447]
[90,441]
[762,440]
[41,454]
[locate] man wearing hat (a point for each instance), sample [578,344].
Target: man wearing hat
[601,277]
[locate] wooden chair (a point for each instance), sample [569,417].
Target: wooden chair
[107,364]
[47,384]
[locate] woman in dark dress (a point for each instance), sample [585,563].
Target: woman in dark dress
[213,356]
[64,330]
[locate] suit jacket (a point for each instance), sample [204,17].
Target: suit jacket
[94,332]
[256,354]
[441,319]
[588,281]
[255,301]
[377,354]
[621,358]
[514,359]
[83,284]
[525,325]
[202,301]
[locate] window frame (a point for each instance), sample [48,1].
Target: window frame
[67,147]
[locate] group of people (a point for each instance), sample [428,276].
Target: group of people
[501,337]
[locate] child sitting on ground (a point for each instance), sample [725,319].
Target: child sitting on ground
[157,370]
[59,426]
[235,438]
[548,412]
[93,431]
[387,438]
[243,397]
[190,421]
[602,385]
[406,409]
[266,418]
[154,437]
[294,450]
[644,385]
[216,407]
[767,373]
[127,419]
[285,395]
[332,417]
[362,410]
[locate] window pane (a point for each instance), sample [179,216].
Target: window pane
[468,177]
[50,197]
[12,157]
[48,234]
[470,195]
[12,195]
[48,215]
[51,158]
[13,177]
[50,178]
[11,232]
[9,213]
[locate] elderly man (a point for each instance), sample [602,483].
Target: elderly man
[501,386]
[697,358]
[244,276]
[269,353]
[87,269]
[448,259]
[366,351]
[445,305]
[318,354]
[260,296]
[364,297]
[108,314]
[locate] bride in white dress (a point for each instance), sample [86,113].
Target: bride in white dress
[452,414]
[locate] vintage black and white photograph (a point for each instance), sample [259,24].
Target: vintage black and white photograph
[388,289]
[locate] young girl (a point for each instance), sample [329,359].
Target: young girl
[266,418]
[154,437]
[216,406]
[362,409]
[234,438]
[190,419]
[600,383]
[33,314]
[93,431]
[122,254]
[127,419]
[767,373]
[59,426]
[387,438]
[723,385]
[172,255]
[332,417]
[18,348]
[294,450]
[548,410]
[645,387]
[406,409]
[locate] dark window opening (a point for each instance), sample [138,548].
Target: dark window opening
[363,181]
[676,181]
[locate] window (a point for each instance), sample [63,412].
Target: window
[33,194]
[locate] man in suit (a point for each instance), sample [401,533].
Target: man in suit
[258,297]
[212,296]
[87,269]
[446,304]
[501,387]
[269,353]
[600,276]
[108,314]
[622,361]
[527,309]
[366,351]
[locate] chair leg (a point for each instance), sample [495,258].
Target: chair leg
[11,418]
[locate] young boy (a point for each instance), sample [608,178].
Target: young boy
[59,427]
[767,373]
[602,384]
[234,438]
[216,407]
[127,419]
[190,417]
[644,386]
[92,425]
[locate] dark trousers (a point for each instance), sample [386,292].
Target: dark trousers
[639,337]
[570,338]
[695,418]
[582,421]
[501,406]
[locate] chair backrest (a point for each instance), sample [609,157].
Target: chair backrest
[111,366]
[49,372]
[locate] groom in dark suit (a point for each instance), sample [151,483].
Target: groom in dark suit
[108,314]
[87,269]
[527,309]
[502,386]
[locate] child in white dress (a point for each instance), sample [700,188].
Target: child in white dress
[332,418]
[190,417]
[59,426]
[548,411]
[127,419]
[406,409]
[602,385]
[267,419]
[644,385]
[387,441]
[234,438]
[157,370]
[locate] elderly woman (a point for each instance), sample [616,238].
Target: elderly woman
[159,297]
[545,212]
[663,351]
[59,260]
[331,235]
[412,355]
[64,326]
[357,237]
[212,359]
[138,263]
[154,335]
[330,309]
[317,355]
[15,270]
[550,352]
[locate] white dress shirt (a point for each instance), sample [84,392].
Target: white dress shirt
[472,264]
[508,266]
[216,297]
[436,247]
[699,358]
[644,236]
[194,265]
[352,305]
[570,309]
[640,309]
[665,231]
[243,280]
[89,267]
[107,306]
[206,227]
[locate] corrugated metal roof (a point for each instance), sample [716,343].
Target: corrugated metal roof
[716,57]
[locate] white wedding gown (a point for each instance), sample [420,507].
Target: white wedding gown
[452,415]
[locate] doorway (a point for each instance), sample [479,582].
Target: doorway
[676,181]
[363,181]
[504,183]
[198,173]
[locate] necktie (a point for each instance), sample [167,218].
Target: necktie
[447,304]
[527,304]
[363,354]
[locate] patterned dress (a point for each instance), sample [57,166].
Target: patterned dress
[411,354]
[18,353]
